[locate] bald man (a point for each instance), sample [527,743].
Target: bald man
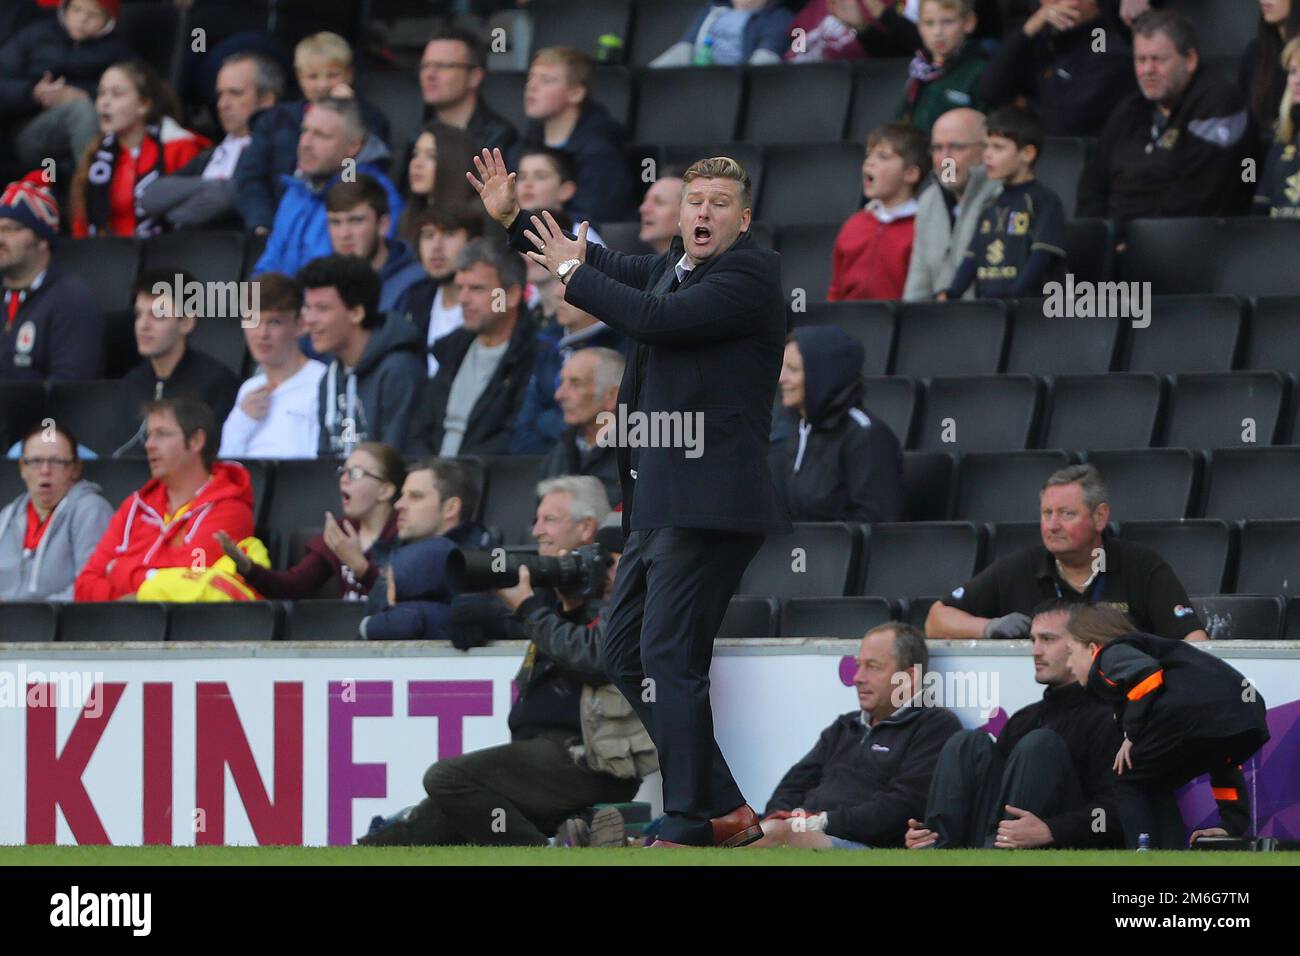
[946,216]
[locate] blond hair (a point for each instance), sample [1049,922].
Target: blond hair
[963,8]
[721,167]
[578,66]
[326,46]
[1285,123]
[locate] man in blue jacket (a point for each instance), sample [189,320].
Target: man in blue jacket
[333,148]
[707,321]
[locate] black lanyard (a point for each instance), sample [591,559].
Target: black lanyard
[1094,592]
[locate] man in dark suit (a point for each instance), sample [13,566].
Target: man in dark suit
[707,321]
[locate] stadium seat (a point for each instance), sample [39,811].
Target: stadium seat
[106,264]
[979,413]
[1199,551]
[1003,486]
[777,109]
[120,353]
[806,259]
[1241,256]
[118,478]
[95,413]
[1089,249]
[22,405]
[503,90]
[1187,333]
[624,237]
[1222,28]
[1008,537]
[927,485]
[612,89]
[27,622]
[223,339]
[207,256]
[877,94]
[150,30]
[112,621]
[261,472]
[714,93]
[894,399]
[950,338]
[323,620]
[818,560]
[1151,484]
[1042,345]
[233,621]
[810,183]
[1269,558]
[916,610]
[1059,166]
[749,617]
[657,25]
[1102,411]
[254,246]
[301,491]
[1229,617]
[749,155]
[1291,624]
[1252,483]
[561,23]
[843,617]
[906,560]
[871,323]
[1273,337]
[1224,409]
[509,503]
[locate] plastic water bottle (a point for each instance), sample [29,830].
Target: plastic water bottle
[1144,842]
[704,53]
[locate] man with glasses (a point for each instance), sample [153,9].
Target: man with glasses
[451,75]
[946,216]
[49,531]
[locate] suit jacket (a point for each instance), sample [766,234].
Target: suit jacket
[710,350]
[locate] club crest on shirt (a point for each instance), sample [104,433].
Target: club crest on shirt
[1182,610]
[24,343]
[996,253]
[1168,140]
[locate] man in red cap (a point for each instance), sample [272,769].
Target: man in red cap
[50,324]
[48,74]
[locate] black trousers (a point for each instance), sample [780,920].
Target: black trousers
[672,591]
[972,784]
[516,794]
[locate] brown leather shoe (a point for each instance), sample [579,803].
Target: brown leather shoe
[740,827]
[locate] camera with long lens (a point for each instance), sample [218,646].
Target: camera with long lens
[580,573]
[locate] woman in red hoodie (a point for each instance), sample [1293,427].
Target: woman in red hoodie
[141,142]
[369,482]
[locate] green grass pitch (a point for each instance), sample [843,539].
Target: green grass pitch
[538,856]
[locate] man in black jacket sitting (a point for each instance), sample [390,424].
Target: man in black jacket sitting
[871,768]
[1047,781]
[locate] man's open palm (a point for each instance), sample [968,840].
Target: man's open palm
[495,186]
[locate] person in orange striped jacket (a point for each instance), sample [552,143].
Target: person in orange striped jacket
[1184,712]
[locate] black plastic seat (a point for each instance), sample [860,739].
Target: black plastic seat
[871,323]
[232,621]
[106,264]
[503,90]
[818,560]
[843,617]
[894,399]
[806,262]
[1150,484]
[1090,249]
[1273,340]
[118,478]
[1059,166]
[323,621]
[1253,483]
[714,93]
[560,23]
[95,413]
[950,338]
[27,622]
[657,25]
[1003,486]
[1102,411]
[907,560]
[22,406]
[1043,345]
[399,98]
[749,616]
[112,621]
[1240,256]
[510,497]
[927,485]
[1224,409]
[1187,333]
[1229,617]
[1198,550]
[810,183]
[973,413]
[222,339]
[302,490]
[1008,537]
[1269,560]
[777,109]
[612,89]
[877,93]
[205,255]
[1220,25]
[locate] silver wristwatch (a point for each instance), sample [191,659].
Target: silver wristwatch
[567,266]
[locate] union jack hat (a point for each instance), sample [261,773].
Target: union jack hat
[30,202]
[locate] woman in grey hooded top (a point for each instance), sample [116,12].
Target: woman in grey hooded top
[48,532]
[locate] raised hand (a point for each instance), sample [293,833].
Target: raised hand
[495,186]
[553,245]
